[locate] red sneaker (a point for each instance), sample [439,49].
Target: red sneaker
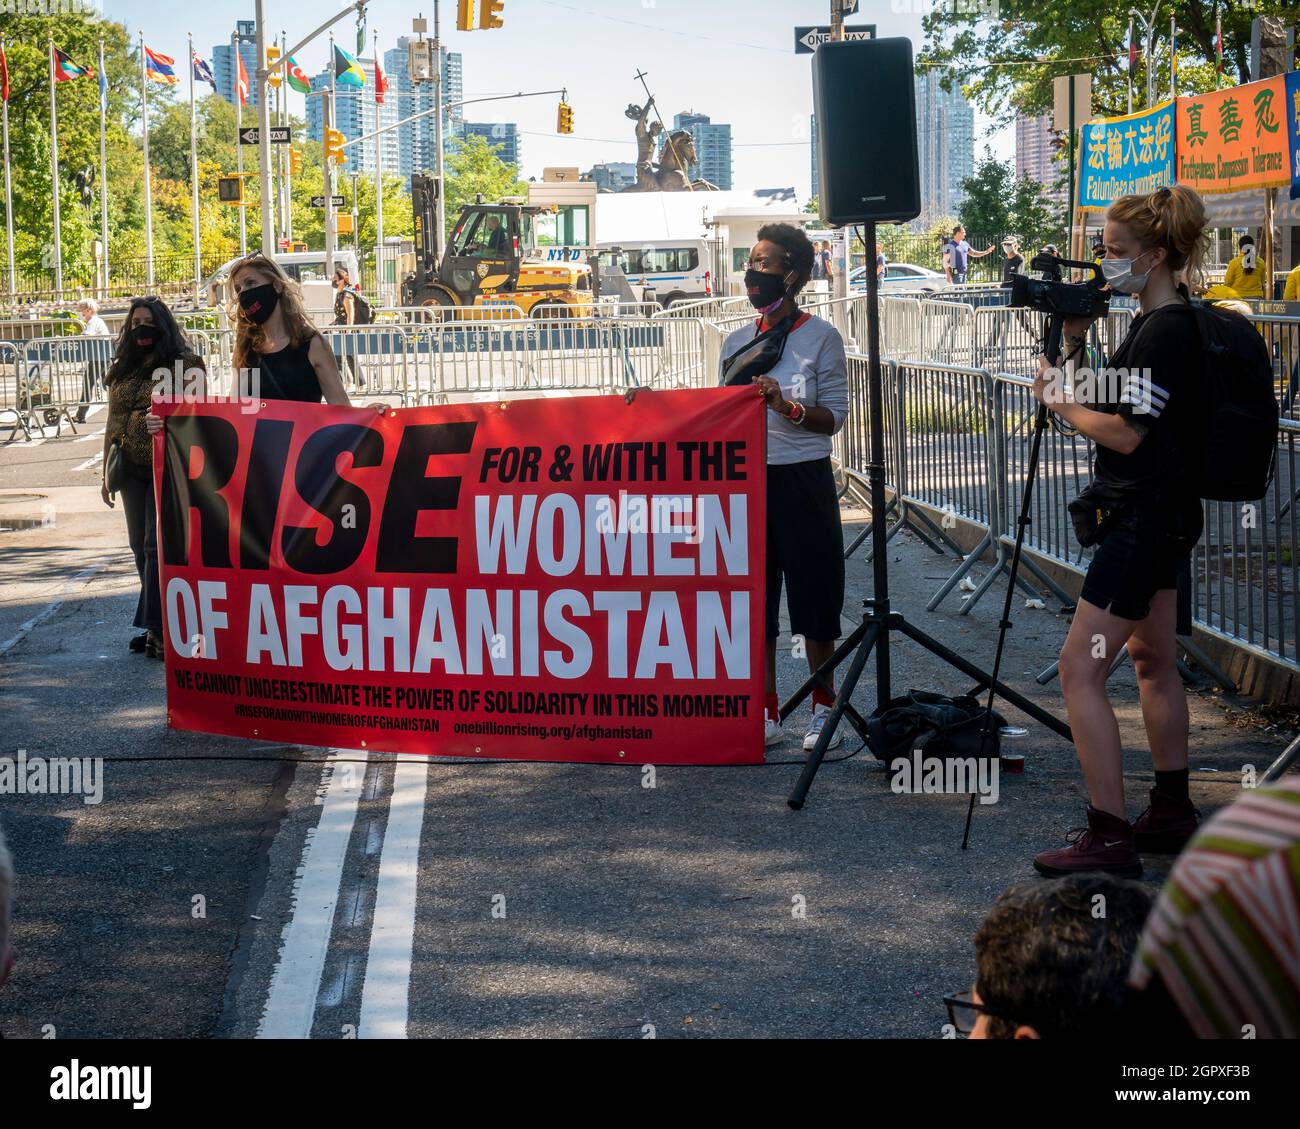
[1105,844]
[1166,826]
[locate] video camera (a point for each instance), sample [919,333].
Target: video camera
[1068,299]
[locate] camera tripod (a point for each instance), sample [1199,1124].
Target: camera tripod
[879,620]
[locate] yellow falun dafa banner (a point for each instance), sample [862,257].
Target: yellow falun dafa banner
[1222,141]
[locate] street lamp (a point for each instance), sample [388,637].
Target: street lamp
[1150,24]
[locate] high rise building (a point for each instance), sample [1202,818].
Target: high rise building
[357,114]
[712,147]
[612,176]
[417,142]
[223,64]
[503,135]
[1036,156]
[945,136]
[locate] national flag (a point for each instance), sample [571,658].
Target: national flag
[103,84]
[297,80]
[381,82]
[1133,53]
[4,76]
[1218,41]
[159,67]
[347,70]
[65,70]
[243,80]
[203,72]
[1173,58]
[361,34]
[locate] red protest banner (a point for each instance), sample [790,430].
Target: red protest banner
[576,579]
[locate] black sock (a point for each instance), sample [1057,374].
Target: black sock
[1173,784]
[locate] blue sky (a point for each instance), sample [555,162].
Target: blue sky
[731,59]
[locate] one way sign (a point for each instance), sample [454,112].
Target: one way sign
[251,135]
[808,39]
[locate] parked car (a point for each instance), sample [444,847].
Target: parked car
[900,276]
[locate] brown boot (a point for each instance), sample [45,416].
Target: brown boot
[1166,826]
[1105,844]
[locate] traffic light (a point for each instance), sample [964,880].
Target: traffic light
[489,14]
[334,140]
[295,162]
[230,190]
[564,119]
[464,15]
[273,57]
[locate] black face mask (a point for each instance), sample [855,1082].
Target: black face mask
[763,289]
[144,337]
[259,302]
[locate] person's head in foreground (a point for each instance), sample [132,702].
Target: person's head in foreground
[1218,958]
[1052,958]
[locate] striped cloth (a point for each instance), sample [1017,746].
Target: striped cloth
[1224,936]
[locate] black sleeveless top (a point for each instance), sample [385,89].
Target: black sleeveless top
[287,374]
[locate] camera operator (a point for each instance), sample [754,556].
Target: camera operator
[1146,522]
[796,362]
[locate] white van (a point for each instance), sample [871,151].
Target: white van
[668,271]
[307,268]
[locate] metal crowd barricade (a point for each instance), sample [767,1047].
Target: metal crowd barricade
[443,315]
[373,360]
[947,332]
[14,409]
[1282,335]
[1245,578]
[59,376]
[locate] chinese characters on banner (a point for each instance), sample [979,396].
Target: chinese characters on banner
[1123,156]
[1235,138]
[576,579]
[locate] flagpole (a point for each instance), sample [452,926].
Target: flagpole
[103,165]
[379,181]
[54,177]
[194,182]
[288,157]
[148,191]
[9,199]
[264,135]
[1173,56]
[239,143]
[331,230]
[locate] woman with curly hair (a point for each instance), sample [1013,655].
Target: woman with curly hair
[151,352]
[796,362]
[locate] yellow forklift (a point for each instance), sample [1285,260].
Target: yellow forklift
[489,263]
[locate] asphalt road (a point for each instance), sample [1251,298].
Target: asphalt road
[225,888]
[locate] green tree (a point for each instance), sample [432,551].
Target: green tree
[996,203]
[1005,56]
[475,169]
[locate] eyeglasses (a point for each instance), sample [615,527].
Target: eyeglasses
[963,1012]
[762,263]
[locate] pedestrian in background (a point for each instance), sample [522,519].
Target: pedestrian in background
[881,263]
[147,352]
[819,263]
[97,354]
[346,303]
[1244,274]
[1015,261]
[959,254]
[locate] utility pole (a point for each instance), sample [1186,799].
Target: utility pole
[239,144]
[379,280]
[840,280]
[440,212]
[264,136]
[331,223]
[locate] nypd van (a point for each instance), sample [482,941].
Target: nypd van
[669,271]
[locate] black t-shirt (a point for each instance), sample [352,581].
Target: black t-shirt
[287,374]
[1014,265]
[1155,380]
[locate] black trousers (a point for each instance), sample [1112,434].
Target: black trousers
[142,532]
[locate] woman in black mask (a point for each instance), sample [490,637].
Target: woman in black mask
[276,343]
[796,362]
[151,357]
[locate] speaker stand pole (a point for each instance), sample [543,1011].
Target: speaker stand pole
[877,621]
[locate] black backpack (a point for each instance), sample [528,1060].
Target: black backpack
[361,311]
[1238,448]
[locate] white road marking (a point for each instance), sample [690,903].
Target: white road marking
[90,462]
[77,582]
[295,983]
[386,995]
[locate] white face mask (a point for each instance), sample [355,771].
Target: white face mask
[1120,277]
